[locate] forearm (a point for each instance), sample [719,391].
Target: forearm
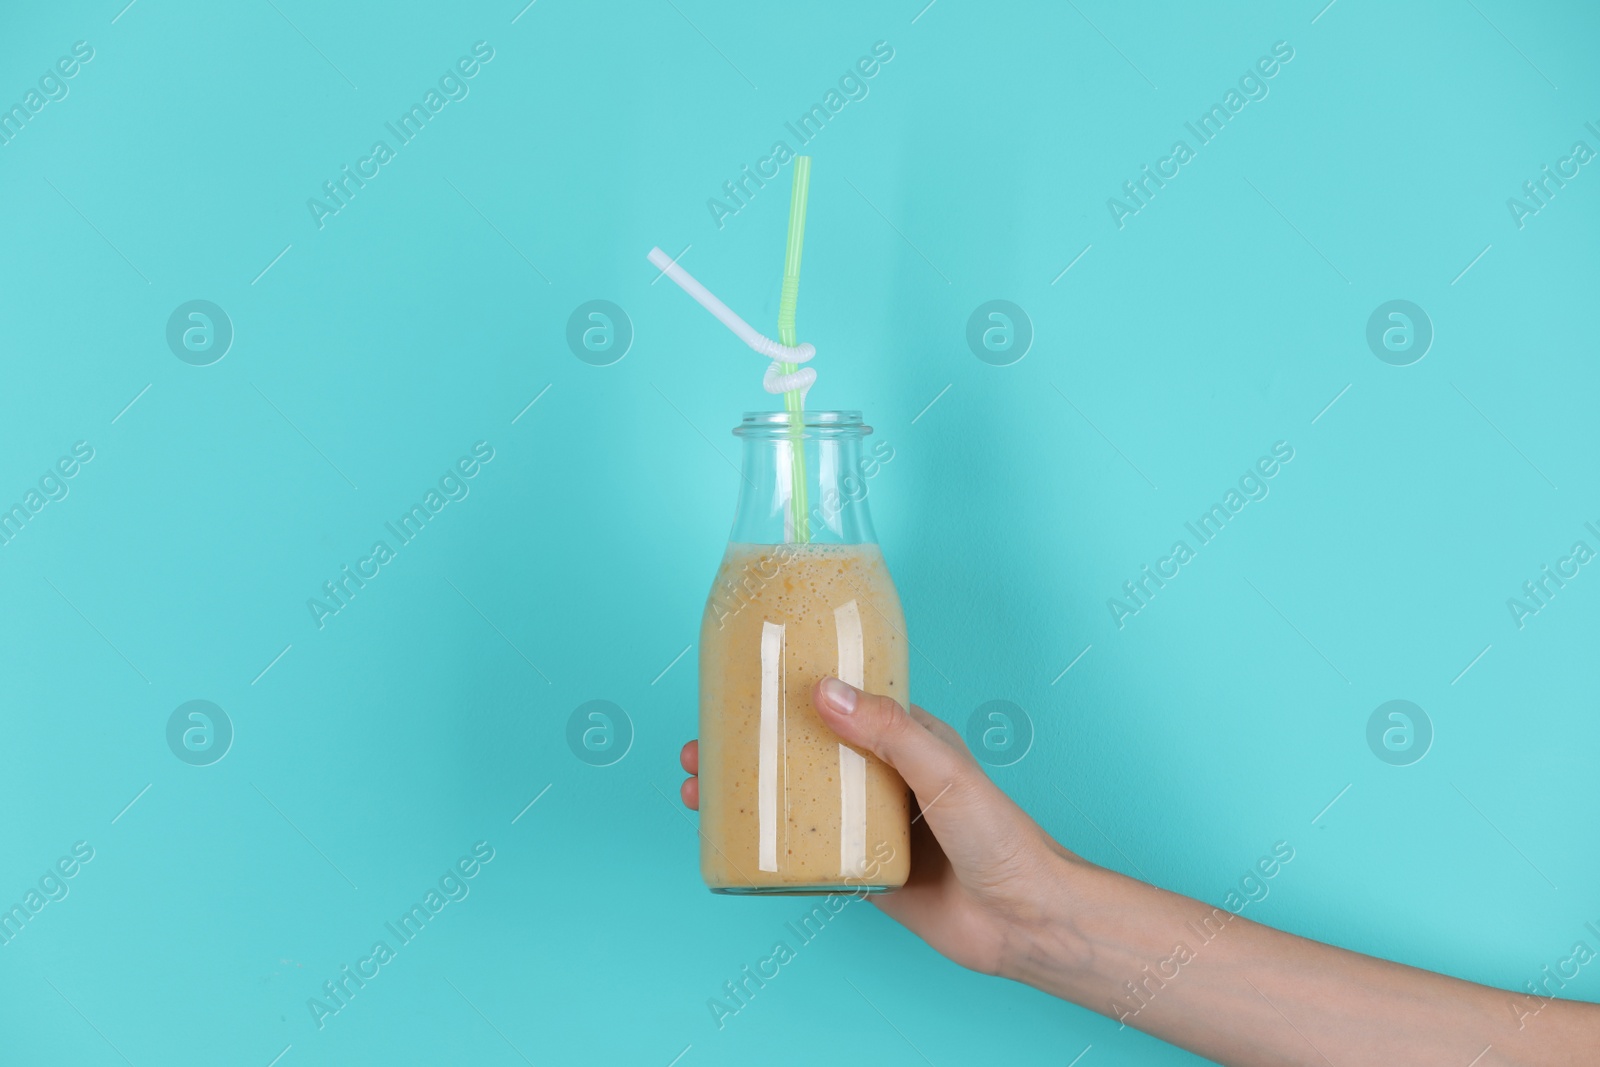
[1245,995]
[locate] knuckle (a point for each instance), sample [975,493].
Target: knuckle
[888,714]
[890,722]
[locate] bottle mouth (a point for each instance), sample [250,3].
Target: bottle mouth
[805,424]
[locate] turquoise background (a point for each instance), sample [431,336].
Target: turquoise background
[370,754]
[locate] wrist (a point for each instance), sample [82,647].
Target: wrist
[1052,946]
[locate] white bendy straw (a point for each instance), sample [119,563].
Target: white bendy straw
[775,381]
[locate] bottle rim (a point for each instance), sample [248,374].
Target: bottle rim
[809,424]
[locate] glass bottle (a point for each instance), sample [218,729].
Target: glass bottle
[785,806]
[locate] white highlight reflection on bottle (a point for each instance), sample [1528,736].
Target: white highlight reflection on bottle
[852,765]
[767,765]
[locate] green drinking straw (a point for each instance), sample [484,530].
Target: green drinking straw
[794,400]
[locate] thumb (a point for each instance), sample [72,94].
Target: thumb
[927,762]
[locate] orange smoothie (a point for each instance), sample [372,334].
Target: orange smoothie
[785,806]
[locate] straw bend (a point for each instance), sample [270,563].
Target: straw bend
[775,381]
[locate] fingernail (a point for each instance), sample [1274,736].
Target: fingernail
[841,697]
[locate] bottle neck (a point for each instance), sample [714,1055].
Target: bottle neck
[830,482]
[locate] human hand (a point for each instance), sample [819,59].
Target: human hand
[982,871]
[992,891]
